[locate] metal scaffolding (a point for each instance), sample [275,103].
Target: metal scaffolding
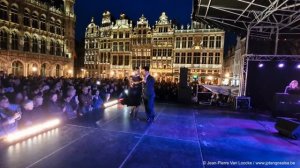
[263,19]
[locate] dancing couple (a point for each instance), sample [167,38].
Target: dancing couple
[142,89]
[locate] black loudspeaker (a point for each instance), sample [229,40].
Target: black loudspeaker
[184,95]
[288,127]
[183,77]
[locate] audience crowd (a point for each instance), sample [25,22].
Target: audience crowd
[28,100]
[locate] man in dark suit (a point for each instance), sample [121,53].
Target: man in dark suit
[148,93]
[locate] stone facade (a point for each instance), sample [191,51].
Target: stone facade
[113,49]
[37,38]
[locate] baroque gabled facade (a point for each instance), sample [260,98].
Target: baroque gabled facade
[37,38]
[163,47]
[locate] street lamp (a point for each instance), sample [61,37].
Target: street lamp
[34,69]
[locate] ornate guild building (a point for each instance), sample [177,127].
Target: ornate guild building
[37,38]
[113,49]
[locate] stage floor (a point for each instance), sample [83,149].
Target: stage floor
[180,137]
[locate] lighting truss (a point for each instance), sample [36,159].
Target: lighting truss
[256,16]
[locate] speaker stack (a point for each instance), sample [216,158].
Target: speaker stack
[184,92]
[288,127]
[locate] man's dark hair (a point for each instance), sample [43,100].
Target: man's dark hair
[146,68]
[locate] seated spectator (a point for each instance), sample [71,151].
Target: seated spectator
[70,105]
[52,107]
[8,118]
[85,101]
[97,100]
[27,113]
[38,108]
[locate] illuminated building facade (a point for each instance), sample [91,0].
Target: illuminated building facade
[164,47]
[37,38]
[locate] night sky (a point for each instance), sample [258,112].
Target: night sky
[179,10]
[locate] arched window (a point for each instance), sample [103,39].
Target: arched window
[26,43]
[14,41]
[14,14]
[58,49]
[3,40]
[57,70]
[3,11]
[43,23]
[26,19]
[43,46]
[52,47]
[35,45]
[35,22]
[52,25]
[58,28]
[17,68]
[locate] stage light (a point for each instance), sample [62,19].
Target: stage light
[111,103]
[210,78]
[280,65]
[260,65]
[298,66]
[126,91]
[34,69]
[28,132]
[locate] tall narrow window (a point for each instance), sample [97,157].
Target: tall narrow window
[205,42]
[26,19]
[184,42]
[218,42]
[14,14]
[115,46]
[121,60]
[14,41]
[210,58]
[217,58]
[127,46]
[211,42]
[204,56]
[52,25]
[177,58]
[58,27]
[178,42]
[58,49]
[43,46]
[3,40]
[196,59]
[190,42]
[52,47]
[121,46]
[35,22]
[114,60]
[183,58]
[3,11]
[126,60]
[26,43]
[169,52]
[35,45]
[189,58]
[43,23]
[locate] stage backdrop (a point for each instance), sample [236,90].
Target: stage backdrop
[264,82]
